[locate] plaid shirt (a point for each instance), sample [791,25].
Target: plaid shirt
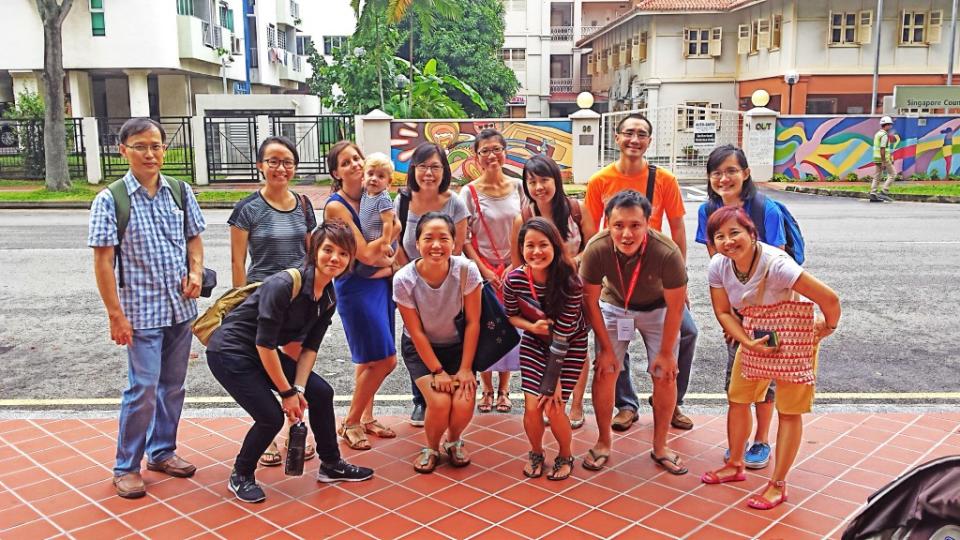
[154,251]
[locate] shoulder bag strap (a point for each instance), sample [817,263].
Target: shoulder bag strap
[651,181]
[483,223]
[575,211]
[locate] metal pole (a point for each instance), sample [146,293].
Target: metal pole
[790,100]
[953,42]
[876,57]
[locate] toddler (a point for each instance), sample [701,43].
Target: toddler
[377,217]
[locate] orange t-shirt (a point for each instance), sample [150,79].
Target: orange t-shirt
[609,181]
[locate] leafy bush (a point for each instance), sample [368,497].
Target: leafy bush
[852,177]
[780,177]
[920,176]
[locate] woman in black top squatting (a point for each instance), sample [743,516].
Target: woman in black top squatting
[244,355]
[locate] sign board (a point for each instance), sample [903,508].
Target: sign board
[518,100]
[926,97]
[704,134]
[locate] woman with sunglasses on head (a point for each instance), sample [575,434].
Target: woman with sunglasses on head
[729,184]
[272,225]
[543,188]
[493,201]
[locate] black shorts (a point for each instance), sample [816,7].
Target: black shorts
[449,356]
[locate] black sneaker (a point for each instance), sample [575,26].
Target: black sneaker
[875,198]
[416,417]
[885,197]
[245,488]
[343,472]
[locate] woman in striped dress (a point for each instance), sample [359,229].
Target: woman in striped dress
[548,280]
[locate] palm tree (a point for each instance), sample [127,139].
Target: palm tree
[423,11]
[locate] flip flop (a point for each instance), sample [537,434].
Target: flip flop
[271,456]
[503,402]
[599,460]
[578,422]
[663,461]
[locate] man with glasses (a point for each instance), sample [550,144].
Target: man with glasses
[152,311]
[633,171]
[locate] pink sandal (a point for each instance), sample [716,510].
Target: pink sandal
[761,503]
[711,477]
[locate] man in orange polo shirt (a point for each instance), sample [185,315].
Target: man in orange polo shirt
[632,171]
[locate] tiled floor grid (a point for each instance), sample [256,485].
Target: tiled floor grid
[55,482]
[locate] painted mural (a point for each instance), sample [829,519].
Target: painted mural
[840,145]
[525,139]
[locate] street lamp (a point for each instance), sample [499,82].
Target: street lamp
[791,78]
[585,100]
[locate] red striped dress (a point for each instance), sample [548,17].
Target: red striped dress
[533,353]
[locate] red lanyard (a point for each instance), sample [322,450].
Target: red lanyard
[636,273]
[533,291]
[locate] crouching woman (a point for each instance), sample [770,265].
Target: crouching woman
[244,356]
[439,357]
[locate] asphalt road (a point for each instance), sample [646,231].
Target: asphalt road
[894,265]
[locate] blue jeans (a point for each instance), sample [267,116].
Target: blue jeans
[152,403]
[626,395]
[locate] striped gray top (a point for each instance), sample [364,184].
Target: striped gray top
[276,237]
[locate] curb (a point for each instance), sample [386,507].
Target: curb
[85,205]
[860,195]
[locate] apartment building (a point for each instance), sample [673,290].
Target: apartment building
[149,57]
[539,45]
[716,53]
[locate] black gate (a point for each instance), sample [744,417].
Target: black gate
[314,136]
[231,148]
[22,153]
[177,160]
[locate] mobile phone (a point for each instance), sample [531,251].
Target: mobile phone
[773,341]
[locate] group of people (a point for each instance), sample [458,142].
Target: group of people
[560,268]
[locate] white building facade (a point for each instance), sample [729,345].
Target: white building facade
[152,58]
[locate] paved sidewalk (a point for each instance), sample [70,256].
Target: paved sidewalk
[54,482]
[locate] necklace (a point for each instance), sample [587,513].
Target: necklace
[743,277]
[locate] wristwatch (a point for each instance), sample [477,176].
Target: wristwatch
[292,391]
[300,389]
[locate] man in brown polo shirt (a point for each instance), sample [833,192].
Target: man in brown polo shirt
[634,280]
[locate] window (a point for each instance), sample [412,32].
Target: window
[97,22]
[303,45]
[642,55]
[776,36]
[843,28]
[516,60]
[697,110]
[185,7]
[743,38]
[271,35]
[332,42]
[920,27]
[763,34]
[754,36]
[696,41]
[282,39]
[514,5]
[226,17]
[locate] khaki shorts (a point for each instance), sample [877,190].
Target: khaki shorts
[791,398]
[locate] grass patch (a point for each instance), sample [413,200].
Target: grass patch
[18,183]
[221,196]
[946,188]
[77,192]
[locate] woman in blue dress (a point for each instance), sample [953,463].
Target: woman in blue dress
[365,305]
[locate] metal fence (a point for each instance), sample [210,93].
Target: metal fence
[177,160]
[22,154]
[231,148]
[672,141]
[314,136]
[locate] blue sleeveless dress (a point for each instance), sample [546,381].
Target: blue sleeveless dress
[366,309]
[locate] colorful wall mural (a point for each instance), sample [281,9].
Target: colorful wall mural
[840,145]
[525,138]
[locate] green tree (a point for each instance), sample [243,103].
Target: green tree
[470,48]
[52,13]
[424,12]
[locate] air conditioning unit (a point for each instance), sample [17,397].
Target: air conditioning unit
[236,45]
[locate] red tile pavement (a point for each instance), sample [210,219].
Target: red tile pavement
[52,485]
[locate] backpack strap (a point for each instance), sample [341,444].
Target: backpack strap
[575,211]
[297,282]
[403,211]
[758,213]
[651,181]
[121,207]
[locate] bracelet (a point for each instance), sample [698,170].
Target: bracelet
[288,393]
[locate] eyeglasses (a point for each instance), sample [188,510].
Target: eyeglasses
[435,169]
[142,148]
[275,163]
[716,175]
[491,150]
[640,135]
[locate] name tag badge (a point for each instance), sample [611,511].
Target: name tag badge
[625,329]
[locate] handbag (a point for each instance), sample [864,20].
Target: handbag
[497,336]
[206,324]
[793,321]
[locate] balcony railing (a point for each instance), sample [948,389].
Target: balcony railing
[297,62]
[561,85]
[207,30]
[586,83]
[561,33]
[588,30]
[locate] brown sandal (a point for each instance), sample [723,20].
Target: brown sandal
[486,402]
[426,461]
[374,427]
[458,457]
[503,402]
[354,436]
